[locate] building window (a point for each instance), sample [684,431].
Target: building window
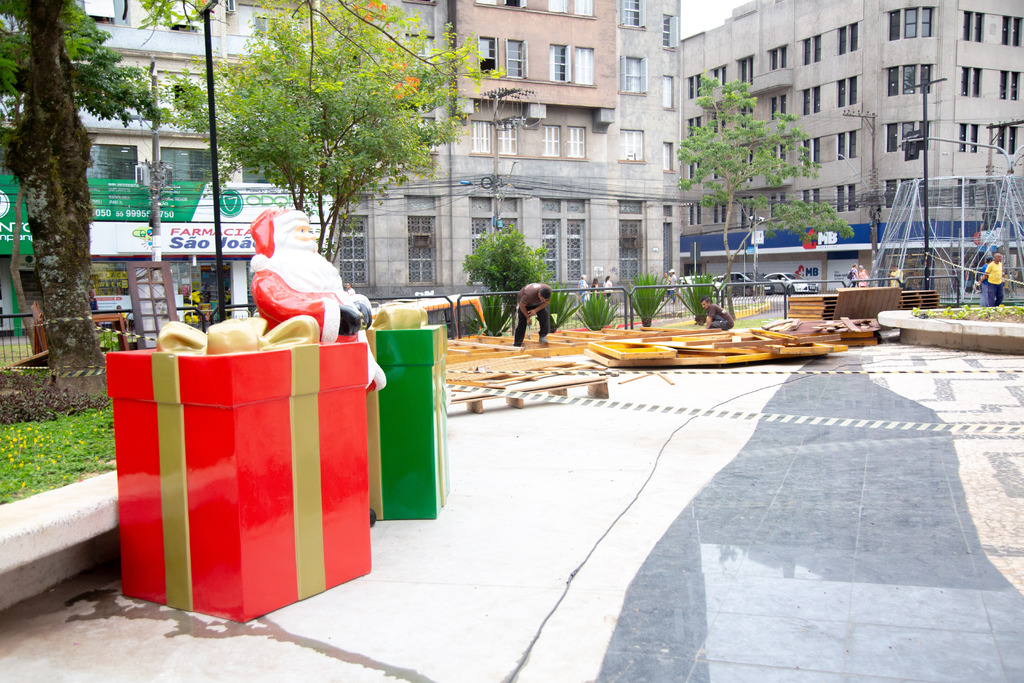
[631,144]
[894,81]
[909,79]
[846,145]
[816,98]
[667,157]
[668,95]
[813,146]
[890,192]
[558,5]
[551,141]
[352,252]
[631,206]
[629,249]
[422,250]
[577,142]
[559,63]
[549,233]
[1011,31]
[508,141]
[479,228]
[584,8]
[841,93]
[584,65]
[481,137]
[488,54]
[692,87]
[970,82]
[807,51]
[515,58]
[777,58]
[968,133]
[634,74]
[973,26]
[574,249]
[911,22]
[778,104]
[1009,85]
[816,40]
[631,13]
[669,31]
[191,165]
[719,74]
[807,101]
[1007,138]
[693,123]
[746,69]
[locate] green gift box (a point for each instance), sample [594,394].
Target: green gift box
[408,424]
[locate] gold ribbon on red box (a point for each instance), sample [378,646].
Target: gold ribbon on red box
[300,335]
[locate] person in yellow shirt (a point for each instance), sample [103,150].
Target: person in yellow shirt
[993,280]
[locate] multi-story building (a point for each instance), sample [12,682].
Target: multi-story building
[575,144]
[850,69]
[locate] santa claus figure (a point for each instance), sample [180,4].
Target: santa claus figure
[292,278]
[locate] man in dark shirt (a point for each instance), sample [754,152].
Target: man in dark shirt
[533,299]
[718,318]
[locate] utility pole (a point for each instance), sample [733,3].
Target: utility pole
[157,181]
[873,197]
[925,88]
[495,182]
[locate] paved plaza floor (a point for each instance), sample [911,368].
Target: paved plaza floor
[854,518]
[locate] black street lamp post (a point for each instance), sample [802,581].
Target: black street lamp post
[221,299]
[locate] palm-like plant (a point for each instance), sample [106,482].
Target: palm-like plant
[563,306]
[701,286]
[497,316]
[648,299]
[598,312]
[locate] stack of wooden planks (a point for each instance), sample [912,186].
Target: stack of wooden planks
[523,374]
[860,304]
[713,347]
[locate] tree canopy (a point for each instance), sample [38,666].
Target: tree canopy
[503,262]
[333,102]
[734,155]
[52,63]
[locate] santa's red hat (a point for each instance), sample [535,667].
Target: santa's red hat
[269,227]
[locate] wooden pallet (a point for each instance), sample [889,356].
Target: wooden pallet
[865,302]
[928,298]
[597,387]
[819,307]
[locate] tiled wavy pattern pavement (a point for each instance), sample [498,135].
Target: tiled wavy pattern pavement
[845,554]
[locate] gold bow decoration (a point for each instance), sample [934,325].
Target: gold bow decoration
[400,317]
[237,335]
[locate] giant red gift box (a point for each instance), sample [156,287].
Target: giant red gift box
[242,478]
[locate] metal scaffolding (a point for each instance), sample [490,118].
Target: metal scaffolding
[970,218]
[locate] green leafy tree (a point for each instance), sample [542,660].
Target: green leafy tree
[503,262]
[52,63]
[733,153]
[333,102]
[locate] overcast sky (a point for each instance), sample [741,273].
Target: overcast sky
[701,15]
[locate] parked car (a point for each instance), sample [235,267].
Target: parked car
[791,284]
[741,283]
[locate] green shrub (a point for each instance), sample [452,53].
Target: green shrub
[598,312]
[701,286]
[30,396]
[503,262]
[563,306]
[498,311]
[648,300]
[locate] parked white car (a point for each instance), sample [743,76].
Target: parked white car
[791,284]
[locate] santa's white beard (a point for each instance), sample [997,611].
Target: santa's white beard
[306,271]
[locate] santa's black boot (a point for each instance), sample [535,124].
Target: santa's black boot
[351,321]
[365,310]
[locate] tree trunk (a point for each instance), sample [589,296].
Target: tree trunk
[49,156]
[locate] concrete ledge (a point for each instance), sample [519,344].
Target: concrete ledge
[965,335]
[55,535]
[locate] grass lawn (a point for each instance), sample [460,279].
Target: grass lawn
[39,456]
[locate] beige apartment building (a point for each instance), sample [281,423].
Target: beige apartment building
[849,68]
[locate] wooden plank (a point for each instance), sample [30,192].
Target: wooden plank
[622,351]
